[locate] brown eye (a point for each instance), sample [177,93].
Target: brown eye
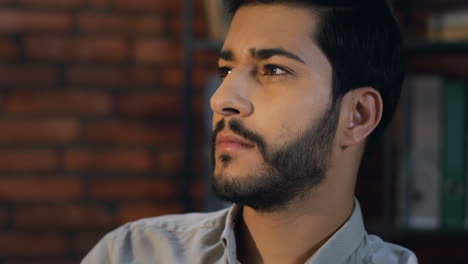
[223,72]
[271,69]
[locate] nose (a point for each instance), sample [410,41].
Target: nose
[232,96]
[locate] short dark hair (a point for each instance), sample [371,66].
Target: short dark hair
[363,44]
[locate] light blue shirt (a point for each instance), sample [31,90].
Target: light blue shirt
[210,238]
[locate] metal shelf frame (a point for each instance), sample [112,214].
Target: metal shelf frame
[425,47]
[187,96]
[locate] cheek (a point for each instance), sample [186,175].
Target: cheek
[278,127]
[289,115]
[283,120]
[300,99]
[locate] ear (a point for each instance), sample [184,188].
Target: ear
[361,112]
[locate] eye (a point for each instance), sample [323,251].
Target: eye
[223,72]
[271,69]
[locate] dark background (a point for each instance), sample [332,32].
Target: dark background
[91,125]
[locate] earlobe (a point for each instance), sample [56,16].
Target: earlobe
[364,112]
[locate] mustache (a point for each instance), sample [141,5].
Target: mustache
[238,128]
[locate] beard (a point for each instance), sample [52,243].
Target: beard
[288,173]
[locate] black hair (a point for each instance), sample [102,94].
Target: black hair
[363,44]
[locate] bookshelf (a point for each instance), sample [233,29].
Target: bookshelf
[446,61]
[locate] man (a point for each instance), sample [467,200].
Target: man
[307,85]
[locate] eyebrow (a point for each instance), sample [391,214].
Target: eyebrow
[261,54]
[226,55]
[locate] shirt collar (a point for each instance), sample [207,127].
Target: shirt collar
[336,250]
[344,242]
[228,236]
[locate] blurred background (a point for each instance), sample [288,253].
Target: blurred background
[104,120]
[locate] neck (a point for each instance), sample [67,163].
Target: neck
[304,227]
[294,234]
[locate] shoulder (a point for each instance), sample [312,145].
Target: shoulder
[171,227]
[376,251]
[178,222]
[147,236]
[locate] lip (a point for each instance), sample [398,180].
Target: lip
[231,142]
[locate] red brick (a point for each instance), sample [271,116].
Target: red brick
[157,51]
[118,132]
[98,3]
[154,105]
[59,102]
[84,242]
[144,5]
[8,48]
[7,2]
[28,160]
[17,21]
[38,131]
[113,76]
[63,216]
[149,105]
[169,162]
[147,24]
[206,58]
[133,189]
[107,23]
[52,3]
[26,244]
[132,212]
[108,160]
[95,49]
[172,77]
[198,190]
[3,216]
[199,27]
[198,4]
[39,189]
[36,75]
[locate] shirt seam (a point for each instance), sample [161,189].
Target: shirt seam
[110,248]
[176,229]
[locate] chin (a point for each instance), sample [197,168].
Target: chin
[230,172]
[235,166]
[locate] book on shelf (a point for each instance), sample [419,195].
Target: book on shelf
[434,179]
[451,26]
[466,158]
[453,186]
[218,19]
[424,167]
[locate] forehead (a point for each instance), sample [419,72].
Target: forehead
[272,25]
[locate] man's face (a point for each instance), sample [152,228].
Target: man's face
[274,121]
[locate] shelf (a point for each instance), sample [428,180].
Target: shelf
[412,232]
[412,46]
[426,47]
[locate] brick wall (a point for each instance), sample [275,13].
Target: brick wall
[90,118]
